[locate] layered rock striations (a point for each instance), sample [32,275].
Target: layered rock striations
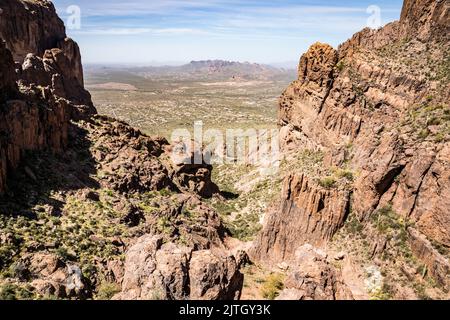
[377,110]
[80,191]
[307,214]
[30,26]
[40,66]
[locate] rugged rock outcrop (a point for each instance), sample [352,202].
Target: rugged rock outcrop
[50,75]
[7,74]
[154,271]
[134,162]
[314,278]
[425,19]
[75,206]
[377,109]
[53,277]
[57,72]
[186,173]
[24,123]
[26,126]
[33,32]
[438,266]
[66,164]
[30,26]
[308,213]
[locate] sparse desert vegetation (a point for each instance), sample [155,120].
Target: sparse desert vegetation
[158,105]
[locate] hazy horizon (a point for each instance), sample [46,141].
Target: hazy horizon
[279,65]
[173,32]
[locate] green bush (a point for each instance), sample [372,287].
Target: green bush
[165,192]
[107,290]
[14,292]
[272,286]
[340,65]
[245,227]
[327,182]
[345,174]
[354,225]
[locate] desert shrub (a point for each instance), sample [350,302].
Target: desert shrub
[345,174]
[327,182]
[14,292]
[386,221]
[107,290]
[224,208]
[340,65]
[354,225]
[245,227]
[423,134]
[164,225]
[165,192]
[384,293]
[421,292]
[272,286]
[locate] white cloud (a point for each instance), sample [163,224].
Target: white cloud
[137,31]
[180,31]
[135,8]
[113,31]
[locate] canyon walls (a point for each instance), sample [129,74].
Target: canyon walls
[377,110]
[41,84]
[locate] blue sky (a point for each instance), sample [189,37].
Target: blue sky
[146,32]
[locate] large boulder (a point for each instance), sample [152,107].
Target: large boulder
[167,271]
[51,277]
[313,278]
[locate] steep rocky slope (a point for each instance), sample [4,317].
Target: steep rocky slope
[92,208]
[377,111]
[82,194]
[47,67]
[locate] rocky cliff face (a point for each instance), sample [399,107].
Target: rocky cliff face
[307,214]
[30,26]
[79,191]
[47,68]
[377,110]
[8,75]
[28,121]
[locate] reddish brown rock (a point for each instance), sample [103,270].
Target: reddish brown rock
[37,118]
[214,276]
[314,82]
[378,107]
[425,19]
[59,73]
[431,208]
[30,27]
[26,127]
[157,271]
[437,265]
[314,278]
[7,74]
[308,213]
[52,277]
[134,162]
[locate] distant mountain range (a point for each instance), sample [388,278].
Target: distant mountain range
[204,70]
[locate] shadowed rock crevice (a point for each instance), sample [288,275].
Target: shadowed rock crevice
[386,182]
